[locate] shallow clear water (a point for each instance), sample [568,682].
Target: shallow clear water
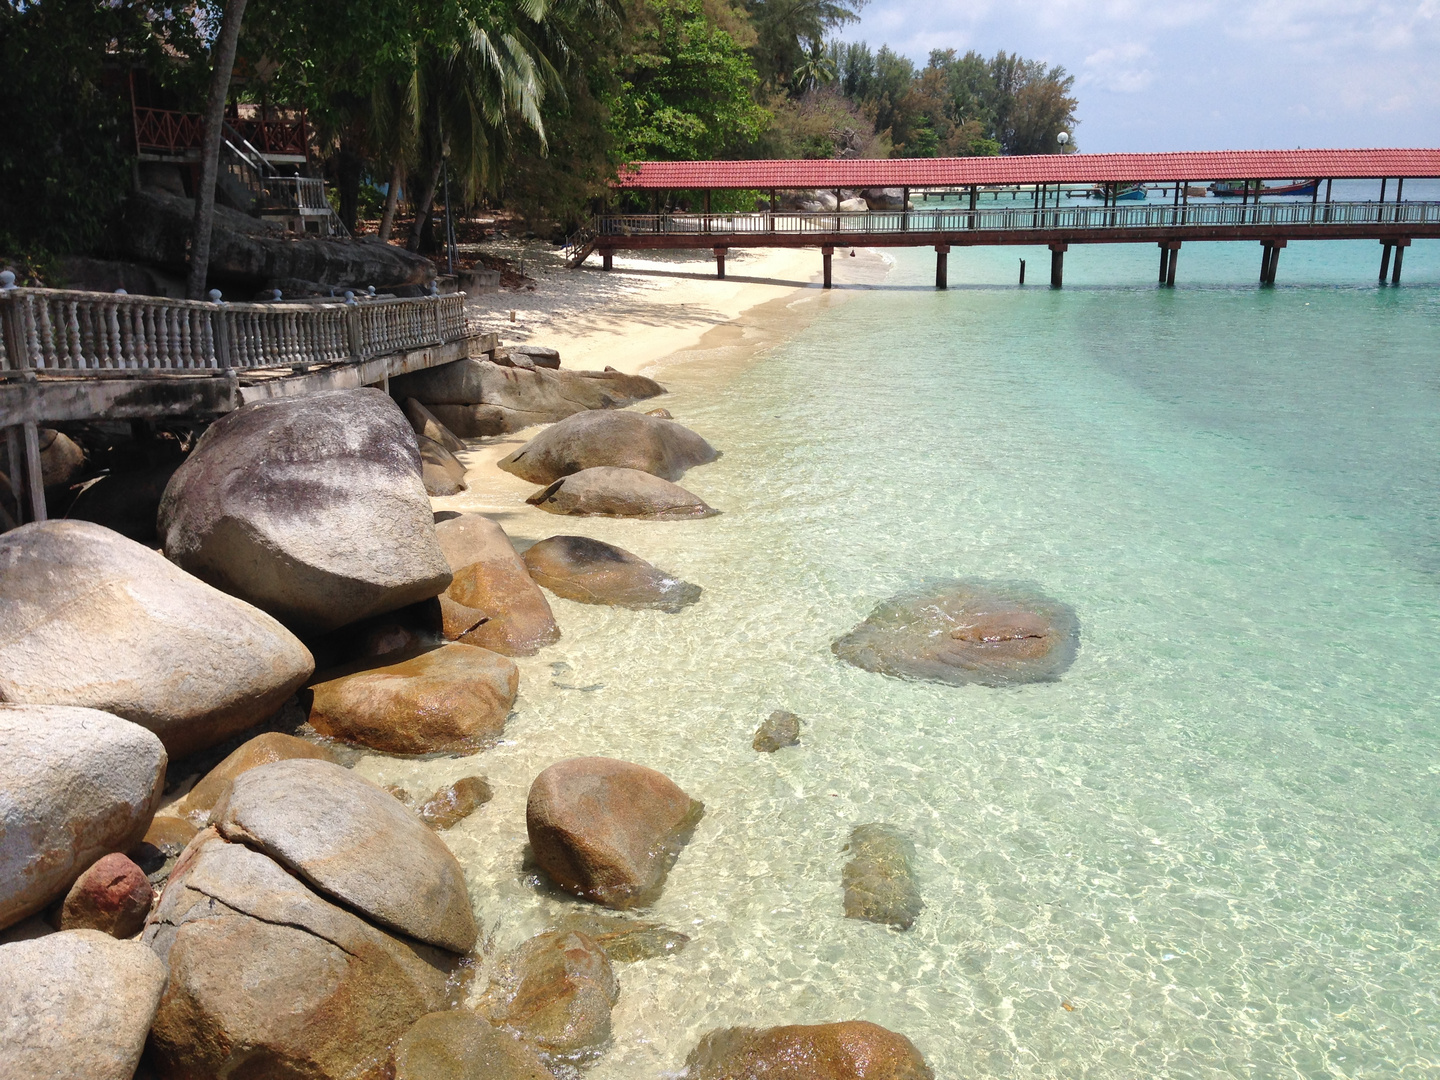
[1212,849]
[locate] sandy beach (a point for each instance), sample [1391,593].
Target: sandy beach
[664,315]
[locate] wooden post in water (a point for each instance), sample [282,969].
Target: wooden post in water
[942,258]
[1057,265]
[1384,261]
[1400,246]
[1022,271]
[1170,270]
[826,252]
[1164,260]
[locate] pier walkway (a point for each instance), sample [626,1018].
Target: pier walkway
[991,197]
[78,356]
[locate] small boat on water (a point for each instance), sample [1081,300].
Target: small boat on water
[1125,192]
[1234,189]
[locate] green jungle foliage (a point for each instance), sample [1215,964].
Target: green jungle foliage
[531,104]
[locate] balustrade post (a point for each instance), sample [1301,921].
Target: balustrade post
[12,316]
[352,325]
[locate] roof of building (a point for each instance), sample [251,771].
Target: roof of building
[1034,169]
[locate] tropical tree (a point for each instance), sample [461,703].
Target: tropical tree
[789,32]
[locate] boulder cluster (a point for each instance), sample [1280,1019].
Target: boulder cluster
[283,916]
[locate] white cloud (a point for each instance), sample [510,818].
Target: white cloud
[1121,69]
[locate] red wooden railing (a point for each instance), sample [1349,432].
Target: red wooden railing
[269,131]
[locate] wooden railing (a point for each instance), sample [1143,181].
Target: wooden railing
[1018,218]
[57,331]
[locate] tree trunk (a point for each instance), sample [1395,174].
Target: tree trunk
[392,202]
[223,61]
[348,170]
[424,206]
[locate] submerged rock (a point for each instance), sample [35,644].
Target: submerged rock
[963,632]
[354,841]
[879,879]
[75,785]
[442,472]
[90,618]
[269,980]
[310,508]
[214,788]
[609,492]
[624,940]
[626,440]
[608,830]
[476,398]
[850,1050]
[455,802]
[447,698]
[76,1006]
[592,572]
[425,423]
[113,897]
[458,1045]
[556,990]
[780,730]
[491,579]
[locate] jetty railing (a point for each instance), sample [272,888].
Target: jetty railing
[58,331]
[1019,218]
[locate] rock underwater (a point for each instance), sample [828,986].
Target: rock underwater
[605,491]
[592,572]
[960,632]
[627,440]
[879,879]
[850,1050]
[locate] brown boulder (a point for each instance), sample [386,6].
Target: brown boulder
[608,830]
[626,440]
[61,458]
[450,698]
[994,634]
[490,578]
[261,750]
[624,940]
[455,802]
[113,896]
[781,730]
[442,472]
[556,990]
[610,492]
[593,572]
[458,1045]
[425,423]
[269,980]
[879,879]
[850,1050]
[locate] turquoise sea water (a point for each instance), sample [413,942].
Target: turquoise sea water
[1212,849]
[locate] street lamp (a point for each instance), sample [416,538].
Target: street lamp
[1063,138]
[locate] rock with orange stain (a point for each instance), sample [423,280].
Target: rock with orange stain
[850,1050]
[994,634]
[556,991]
[113,896]
[490,578]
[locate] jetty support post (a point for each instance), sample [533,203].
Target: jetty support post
[1269,260]
[1170,268]
[1384,260]
[1400,246]
[1164,260]
[942,268]
[720,262]
[827,251]
[607,259]
[1022,271]
[1057,265]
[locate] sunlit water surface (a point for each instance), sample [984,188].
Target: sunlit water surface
[1211,849]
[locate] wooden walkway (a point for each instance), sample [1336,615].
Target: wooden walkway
[76,356]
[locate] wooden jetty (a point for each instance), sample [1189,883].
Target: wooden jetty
[69,356]
[1047,220]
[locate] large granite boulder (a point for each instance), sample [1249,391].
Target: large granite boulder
[490,578]
[352,841]
[440,470]
[453,699]
[608,830]
[592,572]
[76,1006]
[250,253]
[850,1050]
[458,1045]
[879,879]
[113,896]
[214,788]
[311,508]
[610,492]
[626,440]
[267,979]
[479,397]
[556,991]
[75,784]
[994,634]
[103,622]
[425,423]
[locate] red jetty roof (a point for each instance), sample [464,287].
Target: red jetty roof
[1034,169]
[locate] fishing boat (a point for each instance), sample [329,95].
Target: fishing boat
[1234,189]
[1124,192]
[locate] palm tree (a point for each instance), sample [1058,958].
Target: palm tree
[816,69]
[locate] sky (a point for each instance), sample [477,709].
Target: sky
[1205,75]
